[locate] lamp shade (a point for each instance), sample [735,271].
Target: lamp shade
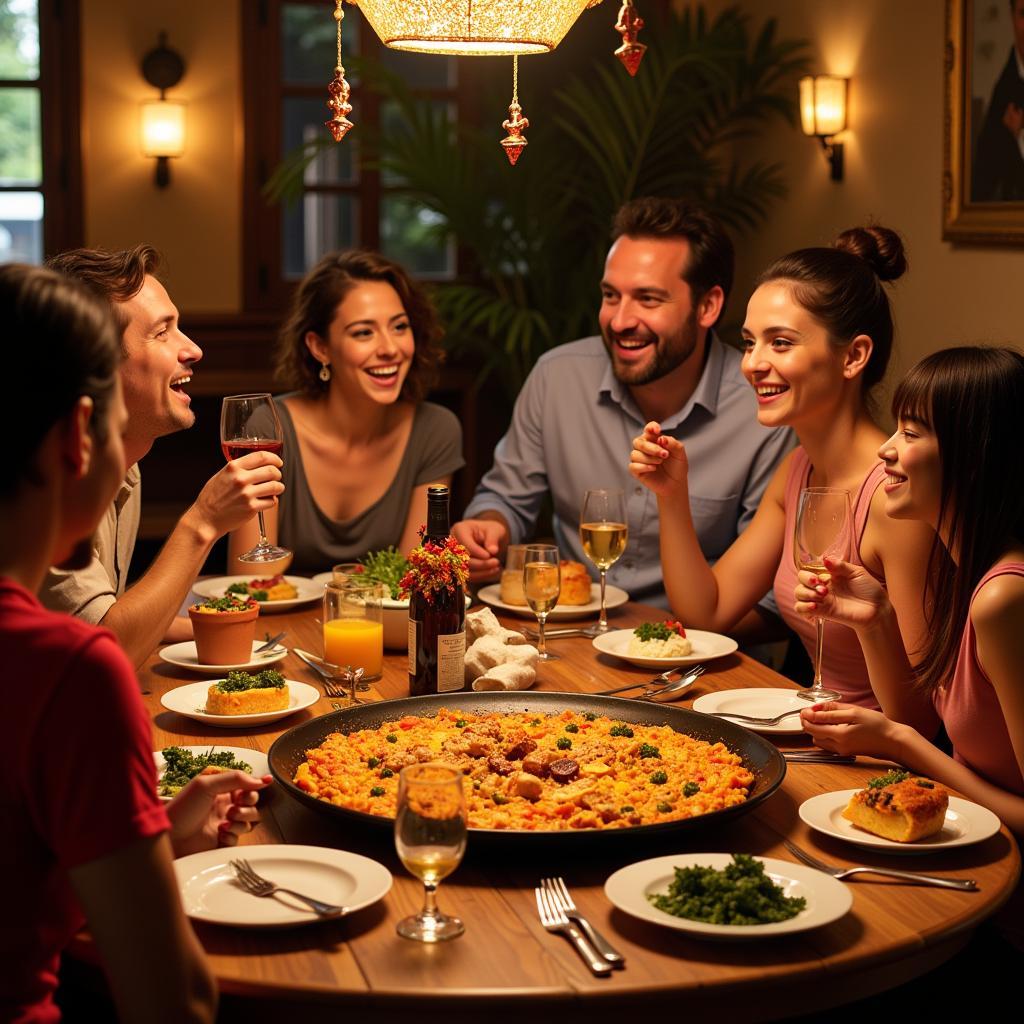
[163,128]
[473,27]
[822,104]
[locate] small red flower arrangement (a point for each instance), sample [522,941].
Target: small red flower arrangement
[434,568]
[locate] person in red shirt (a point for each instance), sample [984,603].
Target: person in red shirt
[84,832]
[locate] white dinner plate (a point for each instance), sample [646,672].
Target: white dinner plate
[255,759]
[308,589]
[965,823]
[190,700]
[759,702]
[706,646]
[209,891]
[614,597]
[184,656]
[827,898]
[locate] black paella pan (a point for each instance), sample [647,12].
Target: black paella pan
[759,756]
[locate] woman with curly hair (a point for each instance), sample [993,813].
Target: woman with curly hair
[359,352]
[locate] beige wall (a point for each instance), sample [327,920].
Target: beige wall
[894,160]
[196,221]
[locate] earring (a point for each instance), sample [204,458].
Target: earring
[325,372]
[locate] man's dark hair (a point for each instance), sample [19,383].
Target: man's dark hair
[60,344]
[711,253]
[113,276]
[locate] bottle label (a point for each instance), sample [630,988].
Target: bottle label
[413,646]
[451,662]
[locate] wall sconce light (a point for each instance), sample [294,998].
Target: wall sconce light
[823,114]
[162,125]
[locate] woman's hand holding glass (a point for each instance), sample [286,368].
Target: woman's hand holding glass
[847,594]
[847,729]
[659,462]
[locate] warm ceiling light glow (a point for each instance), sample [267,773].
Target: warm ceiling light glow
[473,27]
[163,128]
[822,105]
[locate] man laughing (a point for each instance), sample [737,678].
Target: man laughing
[156,369]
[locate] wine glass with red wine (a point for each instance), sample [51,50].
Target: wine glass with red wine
[249,423]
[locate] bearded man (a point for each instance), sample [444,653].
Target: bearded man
[666,280]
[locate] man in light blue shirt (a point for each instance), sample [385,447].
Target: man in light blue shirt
[665,284]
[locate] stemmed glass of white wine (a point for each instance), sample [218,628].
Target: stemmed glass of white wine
[823,530]
[542,583]
[430,837]
[603,532]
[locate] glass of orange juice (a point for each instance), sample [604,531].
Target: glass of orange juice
[354,628]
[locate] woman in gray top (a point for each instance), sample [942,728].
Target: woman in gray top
[358,353]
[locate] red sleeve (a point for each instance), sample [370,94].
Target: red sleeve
[94,774]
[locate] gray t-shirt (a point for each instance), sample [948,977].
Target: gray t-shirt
[434,450]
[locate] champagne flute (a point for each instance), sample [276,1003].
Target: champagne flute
[823,530]
[542,583]
[249,423]
[430,837]
[603,532]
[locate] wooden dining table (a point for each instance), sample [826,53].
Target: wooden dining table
[506,965]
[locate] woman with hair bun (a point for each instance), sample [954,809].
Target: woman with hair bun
[955,464]
[359,351]
[818,335]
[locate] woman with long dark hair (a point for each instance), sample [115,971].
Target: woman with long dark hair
[954,463]
[818,334]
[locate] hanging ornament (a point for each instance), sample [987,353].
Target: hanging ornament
[628,26]
[515,142]
[339,125]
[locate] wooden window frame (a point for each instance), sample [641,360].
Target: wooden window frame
[264,286]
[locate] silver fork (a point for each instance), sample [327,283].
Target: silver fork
[961,884]
[332,688]
[260,886]
[553,920]
[752,720]
[660,680]
[562,898]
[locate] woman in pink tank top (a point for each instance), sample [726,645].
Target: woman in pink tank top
[818,333]
[956,463]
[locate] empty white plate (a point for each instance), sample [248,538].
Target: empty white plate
[210,892]
[758,702]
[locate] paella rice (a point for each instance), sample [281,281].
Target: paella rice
[534,772]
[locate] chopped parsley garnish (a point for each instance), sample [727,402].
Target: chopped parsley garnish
[572,727]
[658,630]
[227,603]
[888,779]
[391,737]
[659,778]
[499,798]
[663,807]
[590,716]
[386,773]
[460,723]
[259,595]
[563,743]
[238,588]
[620,730]
[268,679]
[627,809]
[740,893]
[372,762]
[691,789]
[378,791]
[648,750]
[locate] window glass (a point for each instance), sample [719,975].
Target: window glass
[19,39]
[317,224]
[21,161]
[409,234]
[309,46]
[303,120]
[420,70]
[21,227]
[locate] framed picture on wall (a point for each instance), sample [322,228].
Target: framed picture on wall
[983,182]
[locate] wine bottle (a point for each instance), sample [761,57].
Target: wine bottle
[437,606]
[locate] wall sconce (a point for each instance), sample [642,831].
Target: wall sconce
[162,125]
[823,114]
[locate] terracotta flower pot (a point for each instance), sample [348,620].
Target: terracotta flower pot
[224,638]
